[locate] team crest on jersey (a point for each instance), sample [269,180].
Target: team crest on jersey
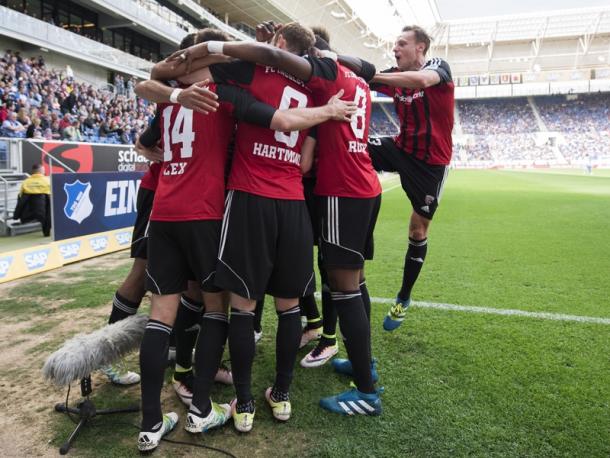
[78,201]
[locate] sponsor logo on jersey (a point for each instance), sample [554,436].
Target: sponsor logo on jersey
[99,243]
[78,201]
[69,250]
[121,197]
[36,259]
[123,238]
[409,98]
[5,265]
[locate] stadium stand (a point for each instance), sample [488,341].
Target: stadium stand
[39,102]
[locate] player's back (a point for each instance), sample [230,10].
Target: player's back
[192,178]
[344,167]
[266,162]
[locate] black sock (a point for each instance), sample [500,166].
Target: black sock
[122,308]
[356,331]
[210,346]
[287,342]
[186,329]
[329,321]
[414,261]
[258,315]
[241,349]
[309,306]
[366,300]
[153,360]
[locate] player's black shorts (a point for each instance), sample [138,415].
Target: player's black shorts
[346,230]
[144,205]
[422,182]
[180,251]
[309,183]
[266,247]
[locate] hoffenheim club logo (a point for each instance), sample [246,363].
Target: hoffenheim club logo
[78,203]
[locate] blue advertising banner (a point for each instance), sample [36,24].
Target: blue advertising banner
[88,203]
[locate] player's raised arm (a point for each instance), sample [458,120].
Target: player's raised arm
[414,79]
[174,67]
[196,97]
[249,51]
[360,67]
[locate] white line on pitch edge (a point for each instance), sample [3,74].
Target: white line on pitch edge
[495,311]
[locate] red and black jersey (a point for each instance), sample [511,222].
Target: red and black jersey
[266,162]
[426,115]
[151,177]
[195,146]
[344,167]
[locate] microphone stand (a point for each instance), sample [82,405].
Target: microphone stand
[86,411]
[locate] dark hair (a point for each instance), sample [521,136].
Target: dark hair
[36,167]
[321,32]
[298,38]
[188,41]
[209,34]
[421,36]
[322,44]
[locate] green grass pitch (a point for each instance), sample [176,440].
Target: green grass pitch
[456,383]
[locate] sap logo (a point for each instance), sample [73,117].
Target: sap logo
[99,243]
[69,250]
[121,197]
[78,201]
[5,265]
[36,259]
[123,238]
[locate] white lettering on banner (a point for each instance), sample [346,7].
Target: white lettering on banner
[69,250]
[99,243]
[123,238]
[277,153]
[357,147]
[175,168]
[130,156]
[5,265]
[36,259]
[124,201]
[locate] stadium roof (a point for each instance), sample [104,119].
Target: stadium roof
[520,27]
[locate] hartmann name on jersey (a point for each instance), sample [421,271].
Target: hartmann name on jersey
[275,152]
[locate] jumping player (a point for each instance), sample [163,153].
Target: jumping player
[424,101]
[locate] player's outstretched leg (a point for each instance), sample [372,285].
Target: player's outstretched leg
[414,261]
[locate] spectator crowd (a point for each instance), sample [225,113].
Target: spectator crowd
[42,103]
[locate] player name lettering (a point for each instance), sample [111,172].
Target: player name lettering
[357,147]
[285,75]
[410,98]
[175,168]
[275,152]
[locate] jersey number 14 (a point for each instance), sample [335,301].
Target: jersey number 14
[182,132]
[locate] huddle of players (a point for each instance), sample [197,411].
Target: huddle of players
[252,235]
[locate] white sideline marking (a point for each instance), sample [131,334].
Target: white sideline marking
[495,311]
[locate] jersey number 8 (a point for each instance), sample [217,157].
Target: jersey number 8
[290,139]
